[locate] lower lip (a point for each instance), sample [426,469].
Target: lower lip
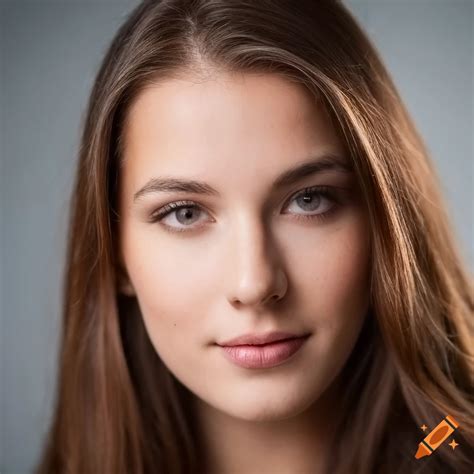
[264,356]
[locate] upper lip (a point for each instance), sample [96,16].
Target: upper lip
[260,339]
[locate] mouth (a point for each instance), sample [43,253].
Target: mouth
[261,356]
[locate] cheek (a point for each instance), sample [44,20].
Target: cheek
[171,289]
[333,281]
[345,276]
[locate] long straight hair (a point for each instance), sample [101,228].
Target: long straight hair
[118,410]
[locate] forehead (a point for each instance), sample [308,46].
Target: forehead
[226,123]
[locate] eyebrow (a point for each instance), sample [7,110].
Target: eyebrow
[326,162]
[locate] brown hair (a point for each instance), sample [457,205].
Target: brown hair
[118,409]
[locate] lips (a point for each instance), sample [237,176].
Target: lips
[260,339]
[263,356]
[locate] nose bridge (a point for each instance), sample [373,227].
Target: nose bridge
[256,263]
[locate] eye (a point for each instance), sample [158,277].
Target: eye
[317,202]
[183,212]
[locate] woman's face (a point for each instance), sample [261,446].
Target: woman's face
[251,257]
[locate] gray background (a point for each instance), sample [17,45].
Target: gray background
[49,54]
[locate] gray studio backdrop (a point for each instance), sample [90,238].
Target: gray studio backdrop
[50,52]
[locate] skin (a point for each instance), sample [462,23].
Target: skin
[217,279]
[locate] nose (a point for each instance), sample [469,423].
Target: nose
[259,278]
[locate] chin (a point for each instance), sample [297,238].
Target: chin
[265,409]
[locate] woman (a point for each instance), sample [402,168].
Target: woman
[249,167]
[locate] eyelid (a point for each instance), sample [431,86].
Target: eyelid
[168,208]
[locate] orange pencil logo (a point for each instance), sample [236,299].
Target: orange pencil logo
[436,437]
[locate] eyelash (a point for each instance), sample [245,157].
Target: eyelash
[324,191]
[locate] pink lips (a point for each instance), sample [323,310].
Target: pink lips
[263,356]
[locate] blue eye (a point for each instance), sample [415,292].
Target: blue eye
[318,201]
[183,212]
